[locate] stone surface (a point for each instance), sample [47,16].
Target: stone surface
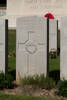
[31,46]
[2,45]
[63,49]
[52,34]
[16,8]
[2,11]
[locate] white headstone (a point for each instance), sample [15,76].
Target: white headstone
[2,45]
[31,46]
[63,49]
[19,8]
[52,34]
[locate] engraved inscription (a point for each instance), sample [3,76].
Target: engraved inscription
[45,3]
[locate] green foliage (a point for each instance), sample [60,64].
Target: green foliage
[5,81]
[12,67]
[2,78]
[24,97]
[46,83]
[8,81]
[62,88]
[40,81]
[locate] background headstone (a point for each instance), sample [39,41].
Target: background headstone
[31,46]
[63,49]
[52,34]
[3,45]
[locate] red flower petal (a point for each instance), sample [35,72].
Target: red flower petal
[49,15]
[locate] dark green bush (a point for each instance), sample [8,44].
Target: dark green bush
[62,88]
[2,78]
[40,81]
[8,81]
[28,80]
[46,83]
[5,81]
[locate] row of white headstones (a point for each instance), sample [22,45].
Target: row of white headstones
[35,37]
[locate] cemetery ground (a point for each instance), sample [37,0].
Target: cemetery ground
[20,97]
[15,94]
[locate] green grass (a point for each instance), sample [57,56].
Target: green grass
[12,62]
[21,97]
[54,64]
[11,40]
[11,48]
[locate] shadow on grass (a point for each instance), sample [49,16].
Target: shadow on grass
[12,72]
[55,74]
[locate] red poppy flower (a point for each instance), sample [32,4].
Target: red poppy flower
[49,15]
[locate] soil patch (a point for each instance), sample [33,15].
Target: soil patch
[31,91]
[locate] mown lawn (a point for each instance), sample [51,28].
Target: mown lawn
[11,47]
[54,64]
[12,62]
[11,40]
[21,97]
